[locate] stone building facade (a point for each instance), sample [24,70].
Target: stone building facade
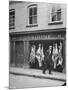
[33,23]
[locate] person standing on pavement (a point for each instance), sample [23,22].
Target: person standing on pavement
[47,63]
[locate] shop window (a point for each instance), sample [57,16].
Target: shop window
[32,14]
[38,50]
[12,19]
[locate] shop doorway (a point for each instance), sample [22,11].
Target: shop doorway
[19,53]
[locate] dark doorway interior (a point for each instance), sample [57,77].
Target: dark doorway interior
[19,53]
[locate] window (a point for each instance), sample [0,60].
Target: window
[12,19]
[56,14]
[33,15]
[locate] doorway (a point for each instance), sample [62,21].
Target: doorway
[19,53]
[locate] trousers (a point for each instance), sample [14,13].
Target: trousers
[47,66]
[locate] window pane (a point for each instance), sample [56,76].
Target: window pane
[30,20]
[53,17]
[35,20]
[12,13]
[53,10]
[35,11]
[30,11]
[58,15]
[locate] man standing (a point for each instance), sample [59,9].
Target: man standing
[47,63]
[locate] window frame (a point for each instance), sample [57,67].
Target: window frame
[56,14]
[32,16]
[12,19]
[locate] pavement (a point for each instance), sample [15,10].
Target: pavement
[37,73]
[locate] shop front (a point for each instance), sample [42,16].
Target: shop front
[41,46]
[22,46]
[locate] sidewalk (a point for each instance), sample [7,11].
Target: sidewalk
[38,73]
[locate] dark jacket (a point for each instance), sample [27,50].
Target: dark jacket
[48,58]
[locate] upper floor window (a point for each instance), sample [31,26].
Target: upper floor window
[12,19]
[55,14]
[33,14]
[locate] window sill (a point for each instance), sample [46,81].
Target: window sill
[33,25]
[55,23]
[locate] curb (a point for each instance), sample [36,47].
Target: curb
[37,76]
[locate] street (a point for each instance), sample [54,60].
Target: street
[19,82]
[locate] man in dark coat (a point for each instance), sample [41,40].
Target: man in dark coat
[47,63]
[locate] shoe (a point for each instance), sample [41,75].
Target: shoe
[50,73]
[43,72]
